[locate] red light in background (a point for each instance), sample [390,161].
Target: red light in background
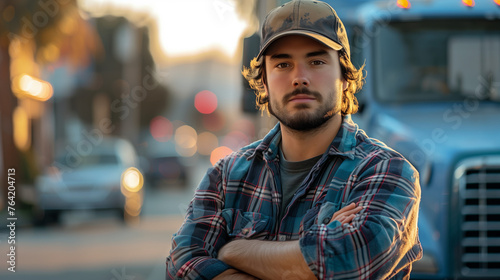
[405,4]
[205,102]
[469,3]
[161,129]
[497,2]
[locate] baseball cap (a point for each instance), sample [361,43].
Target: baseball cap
[314,19]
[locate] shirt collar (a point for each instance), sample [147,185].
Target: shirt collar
[343,144]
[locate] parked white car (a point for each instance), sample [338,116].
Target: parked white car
[106,177]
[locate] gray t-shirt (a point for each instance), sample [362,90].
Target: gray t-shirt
[292,175]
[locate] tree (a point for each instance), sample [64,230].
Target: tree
[51,29]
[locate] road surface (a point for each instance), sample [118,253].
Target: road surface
[97,245]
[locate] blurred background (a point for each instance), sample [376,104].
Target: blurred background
[111,111]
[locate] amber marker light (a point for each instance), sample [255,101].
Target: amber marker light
[404,4]
[469,3]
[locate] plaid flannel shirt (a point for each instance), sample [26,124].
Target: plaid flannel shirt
[240,198]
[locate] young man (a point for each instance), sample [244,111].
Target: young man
[316,198]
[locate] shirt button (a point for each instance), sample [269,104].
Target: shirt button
[282,238]
[244,231]
[326,220]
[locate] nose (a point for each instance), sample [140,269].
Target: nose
[300,77]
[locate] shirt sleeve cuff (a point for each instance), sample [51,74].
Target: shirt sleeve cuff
[308,246]
[211,268]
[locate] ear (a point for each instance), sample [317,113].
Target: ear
[345,84]
[264,82]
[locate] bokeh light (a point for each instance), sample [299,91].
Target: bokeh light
[205,102]
[29,86]
[186,137]
[50,53]
[161,129]
[186,152]
[132,179]
[133,205]
[219,153]
[207,142]
[22,132]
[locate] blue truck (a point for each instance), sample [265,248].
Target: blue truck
[432,93]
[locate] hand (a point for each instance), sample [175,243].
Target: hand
[234,274]
[267,260]
[346,214]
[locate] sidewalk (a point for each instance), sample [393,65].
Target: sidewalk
[104,245]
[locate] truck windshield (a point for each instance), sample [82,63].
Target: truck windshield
[438,61]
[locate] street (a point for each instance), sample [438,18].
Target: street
[98,245]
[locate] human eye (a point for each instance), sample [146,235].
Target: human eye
[282,65]
[317,62]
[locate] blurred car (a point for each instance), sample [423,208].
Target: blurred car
[103,178]
[166,167]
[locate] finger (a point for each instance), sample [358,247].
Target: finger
[350,218]
[344,209]
[346,212]
[341,220]
[353,211]
[347,219]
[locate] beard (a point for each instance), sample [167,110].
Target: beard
[304,120]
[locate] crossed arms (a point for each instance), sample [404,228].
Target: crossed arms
[378,241]
[272,259]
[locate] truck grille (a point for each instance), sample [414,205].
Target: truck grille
[478,183]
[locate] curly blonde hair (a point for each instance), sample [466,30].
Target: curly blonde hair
[256,75]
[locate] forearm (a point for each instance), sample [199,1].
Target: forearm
[194,253]
[233,274]
[273,260]
[266,259]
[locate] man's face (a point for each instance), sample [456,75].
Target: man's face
[303,81]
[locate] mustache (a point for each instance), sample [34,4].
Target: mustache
[305,91]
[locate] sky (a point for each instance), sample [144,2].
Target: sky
[185,27]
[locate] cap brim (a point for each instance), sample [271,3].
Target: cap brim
[322,39]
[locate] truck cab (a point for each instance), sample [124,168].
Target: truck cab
[432,93]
